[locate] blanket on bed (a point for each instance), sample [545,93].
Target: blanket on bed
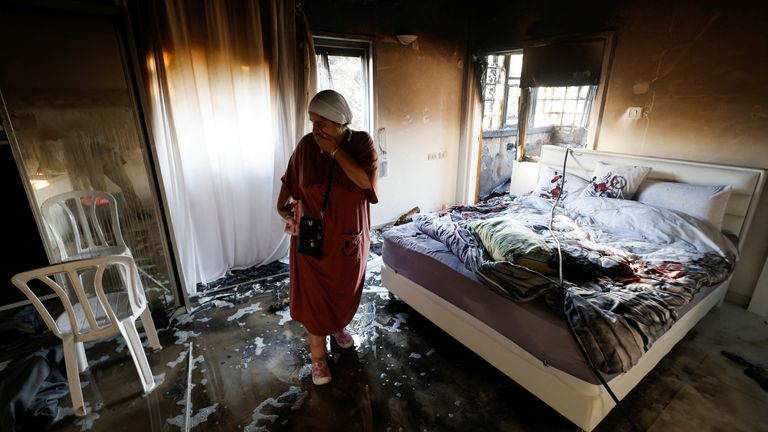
[628,268]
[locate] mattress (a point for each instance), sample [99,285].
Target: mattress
[537,328]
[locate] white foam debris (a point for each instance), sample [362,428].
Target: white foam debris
[196,360]
[182,336]
[430,352]
[415,355]
[369,288]
[194,421]
[159,380]
[245,311]
[259,343]
[400,318]
[223,304]
[257,416]
[285,316]
[184,319]
[180,358]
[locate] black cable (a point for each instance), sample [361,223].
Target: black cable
[562,289]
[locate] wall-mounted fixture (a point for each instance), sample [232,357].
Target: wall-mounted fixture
[635,113]
[381,139]
[407,39]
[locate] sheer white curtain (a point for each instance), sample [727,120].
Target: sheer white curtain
[229,91]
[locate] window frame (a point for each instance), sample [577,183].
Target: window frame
[586,115]
[326,45]
[503,116]
[525,121]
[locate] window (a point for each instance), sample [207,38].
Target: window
[552,106]
[562,106]
[344,65]
[501,91]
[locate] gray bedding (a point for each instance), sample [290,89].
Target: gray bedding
[629,269]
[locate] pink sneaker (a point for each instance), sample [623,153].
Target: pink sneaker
[320,373]
[343,338]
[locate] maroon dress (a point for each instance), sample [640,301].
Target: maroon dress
[325,292]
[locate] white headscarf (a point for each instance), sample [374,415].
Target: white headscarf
[331,105]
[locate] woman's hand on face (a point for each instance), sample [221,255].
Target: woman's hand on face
[326,142]
[327,133]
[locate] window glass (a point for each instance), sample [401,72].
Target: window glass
[501,91]
[344,65]
[562,106]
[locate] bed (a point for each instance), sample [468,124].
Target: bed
[530,341]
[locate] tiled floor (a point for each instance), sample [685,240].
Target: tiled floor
[241,366]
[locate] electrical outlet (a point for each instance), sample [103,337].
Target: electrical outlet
[635,113]
[383,168]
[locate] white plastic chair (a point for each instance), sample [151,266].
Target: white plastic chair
[91,313]
[84,224]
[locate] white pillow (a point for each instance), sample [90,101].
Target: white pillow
[615,181]
[703,202]
[549,185]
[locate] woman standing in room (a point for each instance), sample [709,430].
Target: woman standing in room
[332,172]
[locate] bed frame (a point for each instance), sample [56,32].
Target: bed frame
[583,403]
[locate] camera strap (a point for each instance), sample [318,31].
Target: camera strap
[327,191]
[330,176]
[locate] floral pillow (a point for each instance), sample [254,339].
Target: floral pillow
[615,181]
[551,184]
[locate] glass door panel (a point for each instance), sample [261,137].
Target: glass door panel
[69,96]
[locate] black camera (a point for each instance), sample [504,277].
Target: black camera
[311,236]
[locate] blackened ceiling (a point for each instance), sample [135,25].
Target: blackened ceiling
[481,24]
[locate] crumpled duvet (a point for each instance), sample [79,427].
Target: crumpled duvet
[628,268]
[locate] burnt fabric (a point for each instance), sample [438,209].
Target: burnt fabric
[624,283]
[30,391]
[325,292]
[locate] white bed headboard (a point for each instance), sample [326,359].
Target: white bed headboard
[747,183]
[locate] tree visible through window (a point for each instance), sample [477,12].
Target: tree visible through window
[344,65]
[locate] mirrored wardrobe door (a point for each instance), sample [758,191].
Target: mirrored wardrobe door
[70,100]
